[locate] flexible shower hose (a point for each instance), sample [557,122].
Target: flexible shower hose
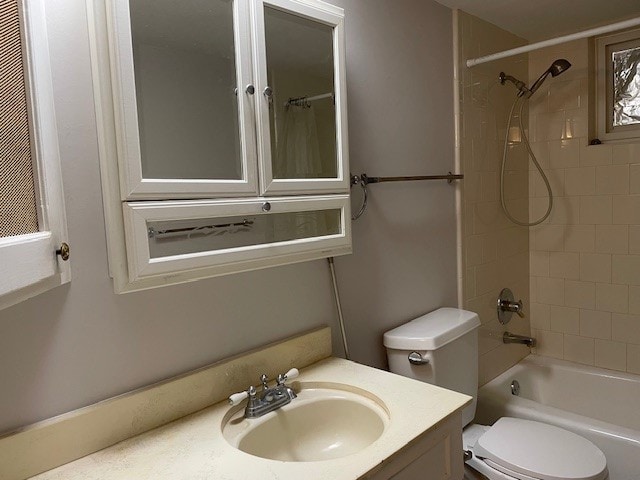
[533,159]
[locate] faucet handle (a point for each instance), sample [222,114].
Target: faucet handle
[290,375]
[264,379]
[236,398]
[518,308]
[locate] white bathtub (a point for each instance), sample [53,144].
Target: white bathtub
[601,405]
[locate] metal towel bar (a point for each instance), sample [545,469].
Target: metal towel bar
[363,180]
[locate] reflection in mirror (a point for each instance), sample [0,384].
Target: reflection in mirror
[185,75]
[179,237]
[302,114]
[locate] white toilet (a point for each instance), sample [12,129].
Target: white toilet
[443,346]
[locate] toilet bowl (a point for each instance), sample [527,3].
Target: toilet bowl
[441,348]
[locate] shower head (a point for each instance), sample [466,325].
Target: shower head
[557,67]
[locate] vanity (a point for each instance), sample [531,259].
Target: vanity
[348,421]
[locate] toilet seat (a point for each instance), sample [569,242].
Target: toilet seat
[528,450]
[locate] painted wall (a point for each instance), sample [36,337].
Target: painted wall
[80,343]
[494,250]
[400,96]
[585,260]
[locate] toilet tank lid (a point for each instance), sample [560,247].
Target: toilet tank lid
[432,330]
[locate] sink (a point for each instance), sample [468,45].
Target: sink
[326,421]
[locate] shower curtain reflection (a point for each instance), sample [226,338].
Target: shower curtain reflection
[298,150]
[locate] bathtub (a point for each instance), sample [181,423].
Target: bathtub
[601,405]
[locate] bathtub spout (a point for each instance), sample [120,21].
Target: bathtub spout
[509,337]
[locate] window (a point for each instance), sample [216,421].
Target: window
[618,85]
[32,219]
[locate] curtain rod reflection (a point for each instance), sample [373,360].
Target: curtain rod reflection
[203,230]
[304,101]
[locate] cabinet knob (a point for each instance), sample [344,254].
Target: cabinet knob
[268,92]
[63,251]
[266,206]
[250,89]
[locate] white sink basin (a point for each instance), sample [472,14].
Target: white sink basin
[326,421]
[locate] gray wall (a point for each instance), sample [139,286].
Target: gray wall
[400,93]
[81,343]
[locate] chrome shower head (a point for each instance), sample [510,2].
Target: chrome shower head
[557,67]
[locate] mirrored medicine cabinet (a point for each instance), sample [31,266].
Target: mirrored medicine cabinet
[223,135]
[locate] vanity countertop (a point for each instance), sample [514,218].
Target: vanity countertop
[193,447]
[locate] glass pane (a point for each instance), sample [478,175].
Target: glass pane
[18,213]
[626,87]
[177,237]
[303,113]
[185,85]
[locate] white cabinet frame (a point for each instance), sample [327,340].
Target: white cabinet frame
[138,214]
[134,185]
[30,265]
[130,264]
[318,12]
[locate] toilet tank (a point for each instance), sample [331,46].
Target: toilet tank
[448,339]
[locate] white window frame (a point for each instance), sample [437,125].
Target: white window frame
[30,265]
[604,86]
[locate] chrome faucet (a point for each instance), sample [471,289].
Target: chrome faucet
[508,337]
[269,399]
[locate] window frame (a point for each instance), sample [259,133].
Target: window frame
[604,86]
[30,262]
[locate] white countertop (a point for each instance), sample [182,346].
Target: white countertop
[193,447]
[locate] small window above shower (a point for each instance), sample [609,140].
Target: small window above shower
[617,75]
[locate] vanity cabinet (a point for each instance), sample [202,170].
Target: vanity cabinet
[223,135]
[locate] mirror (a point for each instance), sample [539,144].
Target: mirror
[300,70]
[185,80]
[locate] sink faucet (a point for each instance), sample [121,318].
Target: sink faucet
[269,399]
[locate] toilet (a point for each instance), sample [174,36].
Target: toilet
[441,348]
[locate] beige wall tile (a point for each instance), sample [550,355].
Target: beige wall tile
[540,317]
[562,153]
[625,328]
[564,95]
[626,269]
[548,126]
[549,238]
[634,300]
[550,291]
[579,349]
[591,155]
[575,123]
[611,355]
[580,181]
[634,178]
[612,239]
[595,324]
[634,239]
[486,278]
[566,210]
[626,209]
[580,294]
[539,264]
[612,298]
[612,179]
[580,238]
[564,265]
[595,267]
[596,210]
[633,358]
[473,250]
[627,153]
[564,319]
[550,344]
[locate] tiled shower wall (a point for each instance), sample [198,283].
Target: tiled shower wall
[585,259]
[494,253]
